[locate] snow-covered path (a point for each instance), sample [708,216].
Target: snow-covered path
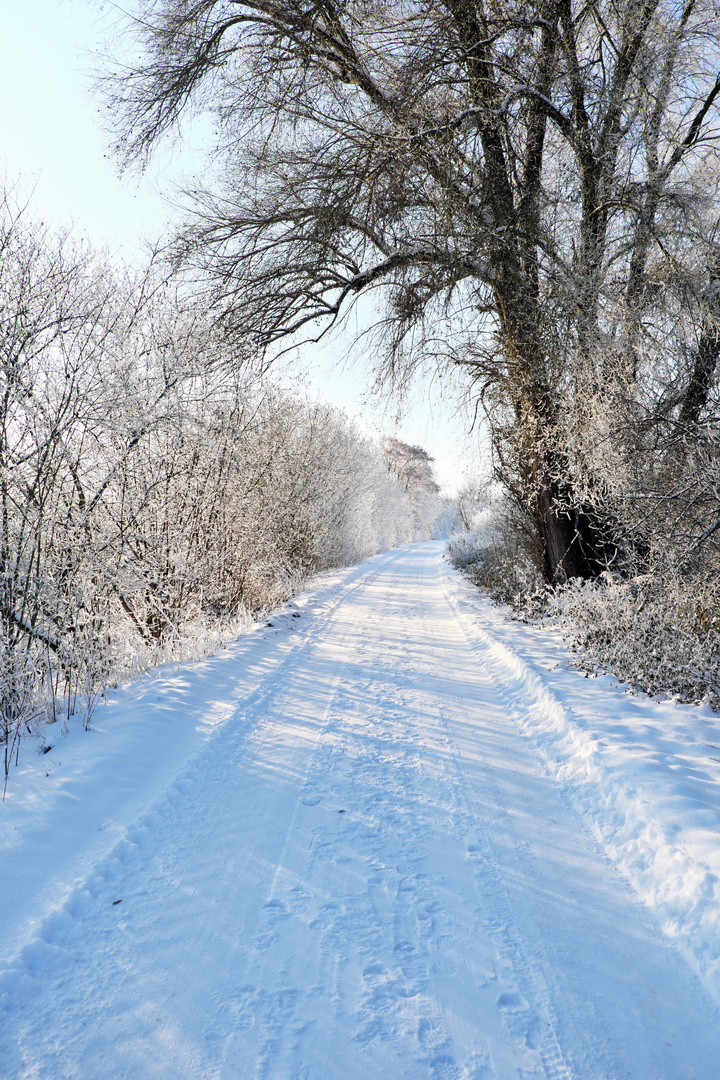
[363,870]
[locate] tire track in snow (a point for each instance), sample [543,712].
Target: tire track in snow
[527,697]
[56,946]
[347,881]
[401,973]
[531,1009]
[534,967]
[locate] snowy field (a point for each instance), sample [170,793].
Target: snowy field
[390,835]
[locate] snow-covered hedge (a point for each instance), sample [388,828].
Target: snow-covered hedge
[658,631]
[492,549]
[655,632]
[154,494]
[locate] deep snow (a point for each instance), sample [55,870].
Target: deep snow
[391,835]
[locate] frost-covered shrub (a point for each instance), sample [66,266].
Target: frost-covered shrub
[493,552]
[655,632]
[482,533]
[154,494]
[20,708]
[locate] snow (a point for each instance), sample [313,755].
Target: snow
[392,834]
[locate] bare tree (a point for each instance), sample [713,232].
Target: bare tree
[56,312]
[520,182]
[414,470]
[411,464]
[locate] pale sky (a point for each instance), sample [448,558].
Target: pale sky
[51,139]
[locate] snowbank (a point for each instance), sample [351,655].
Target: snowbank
[644,774]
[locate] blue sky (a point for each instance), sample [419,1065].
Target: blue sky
[51,137]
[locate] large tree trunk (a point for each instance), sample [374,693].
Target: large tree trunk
[577,540]
[575,537]
[707,354]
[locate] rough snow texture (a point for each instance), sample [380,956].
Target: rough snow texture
[644,773]
[377,838]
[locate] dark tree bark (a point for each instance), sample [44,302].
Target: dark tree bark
[706,356]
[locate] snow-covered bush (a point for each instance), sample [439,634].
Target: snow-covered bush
[361,506]
[58,312]
[154,495]
[658,631]
[655,632]
[492,548]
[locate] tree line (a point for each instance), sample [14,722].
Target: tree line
[154,493]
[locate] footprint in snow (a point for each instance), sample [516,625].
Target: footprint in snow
[297,900]
[326,916]
[444,1067]
[511,1001]
[273,912]
[373,969]
[518,1019]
